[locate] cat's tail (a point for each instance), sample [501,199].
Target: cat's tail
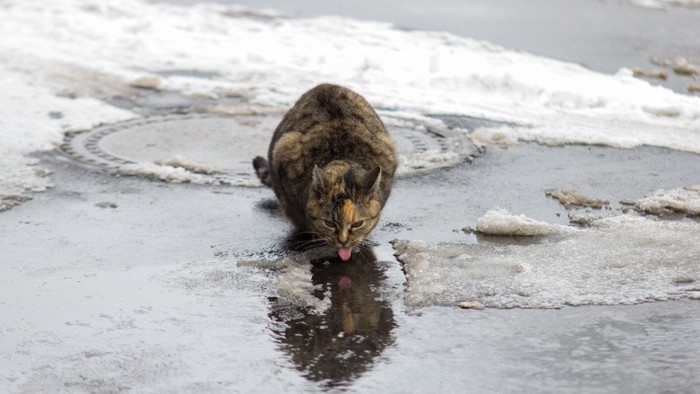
[262,169]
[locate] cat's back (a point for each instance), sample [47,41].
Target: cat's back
[329,105]
[328,123]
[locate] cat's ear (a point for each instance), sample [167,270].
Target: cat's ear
[318,179]
[372,179]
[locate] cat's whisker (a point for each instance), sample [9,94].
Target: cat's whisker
[369,243]
[304,244]
[362,255]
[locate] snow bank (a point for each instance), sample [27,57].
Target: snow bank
[90,48]
[33,118]
[620,260]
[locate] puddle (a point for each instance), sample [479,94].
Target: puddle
[331,319]
[341,342]
[228,144]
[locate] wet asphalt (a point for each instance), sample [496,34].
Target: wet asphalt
[94,225]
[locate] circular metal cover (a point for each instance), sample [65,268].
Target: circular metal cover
[228,145]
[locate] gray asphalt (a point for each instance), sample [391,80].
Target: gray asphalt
[116,283]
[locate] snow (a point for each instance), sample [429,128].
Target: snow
[188,164]
[499,222]
[683,199]
[662,4]
[187,171]
[33,119]
[164,172]
[91,49]
[620,260]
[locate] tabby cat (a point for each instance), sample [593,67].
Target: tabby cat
[331,164]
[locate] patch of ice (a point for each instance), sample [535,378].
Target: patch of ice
[621,260]
[684,199]
[429,159]
[499,222]
[180,161]
[295,286]
[248,182]
[164,173]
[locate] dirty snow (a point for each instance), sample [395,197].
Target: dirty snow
[575,197]
[684,199]
[87,48]
[620,260]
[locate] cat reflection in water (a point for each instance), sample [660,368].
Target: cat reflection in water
[342,343]
[331,164]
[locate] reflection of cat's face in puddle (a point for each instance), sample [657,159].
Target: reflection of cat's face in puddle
[339,344]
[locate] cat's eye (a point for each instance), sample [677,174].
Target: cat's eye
[329,224]
[358,224]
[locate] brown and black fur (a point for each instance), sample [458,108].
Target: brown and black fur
[331,161]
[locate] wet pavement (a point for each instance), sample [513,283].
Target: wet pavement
[115,283]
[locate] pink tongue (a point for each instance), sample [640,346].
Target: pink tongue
[344,253]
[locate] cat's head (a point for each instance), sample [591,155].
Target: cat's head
[344,205]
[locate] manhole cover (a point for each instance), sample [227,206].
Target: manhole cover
[218,149]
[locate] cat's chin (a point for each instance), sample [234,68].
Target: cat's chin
[344,253]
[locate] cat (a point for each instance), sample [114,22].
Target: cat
[331,164]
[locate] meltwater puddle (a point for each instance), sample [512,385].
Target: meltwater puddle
[620,260]
[332,319]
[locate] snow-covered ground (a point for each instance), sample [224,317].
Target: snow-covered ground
[58,57]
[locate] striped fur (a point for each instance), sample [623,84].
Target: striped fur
[331,164]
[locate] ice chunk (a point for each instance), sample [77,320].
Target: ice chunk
[684,199]
[499,222]
[620,260]
[574,197]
